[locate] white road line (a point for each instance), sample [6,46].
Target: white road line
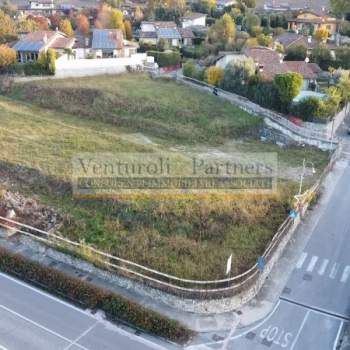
[40,292]
[39,325]
[241,334]
[345,274]
[82,335]
[334,271]
[323,267]
[301,261]
[300,329]
[338,335]
[312,264]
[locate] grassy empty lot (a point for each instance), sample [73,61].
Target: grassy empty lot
[44,124]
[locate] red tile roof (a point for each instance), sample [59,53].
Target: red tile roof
[63,43]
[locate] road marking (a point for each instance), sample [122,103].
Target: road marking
[82,335]
[338,336]
[312,264]
[39,326]
[345,274]
[323,267]
[301,261]
[300,329]
[38,291]
[334,271]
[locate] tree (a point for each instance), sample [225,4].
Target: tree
[27,25]
[296,53]
[128,30]
[264,40]
[289,86]
[344,86]
[251,21]
[237,73]
[55,20]
[42,22]
[83,24]
[66,27]
[321,34]
[8,8]
[7,56]
[229,27]
[222,32]
[189,69]
[215,75]
[345,28]
[47,60]
[340,7]
[322,56]
[342,55]
[162,44]
[138,14]
[7,28]
[249,3]
[117,20]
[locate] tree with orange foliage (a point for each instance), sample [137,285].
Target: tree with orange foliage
[128,30]
[7,56]
[83,24]
[42,22]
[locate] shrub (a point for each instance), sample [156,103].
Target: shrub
[189,69]
[308,108]
[264,40]
[215,75]
[322,56]
[89,296]
[165,59]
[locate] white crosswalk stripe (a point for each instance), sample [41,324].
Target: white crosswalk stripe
[345,275]
[301,260]
[323,267]
[312,264]
[334,271]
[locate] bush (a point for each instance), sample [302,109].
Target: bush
[89,296]
[189,69]
[296,53]
[289,86]
[165,59]
[322,56]
[196,52]
[308,108]
[214,75]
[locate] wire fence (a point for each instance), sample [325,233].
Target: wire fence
[171,284]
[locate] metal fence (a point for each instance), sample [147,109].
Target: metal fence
[171,284]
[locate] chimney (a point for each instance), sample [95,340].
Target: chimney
[309,39]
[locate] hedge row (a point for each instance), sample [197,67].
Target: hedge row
[165,59]
[89,296]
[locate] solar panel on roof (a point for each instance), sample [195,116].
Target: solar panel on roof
[101,39]
[168,33]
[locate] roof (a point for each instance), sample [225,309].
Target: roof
[262,55]
[168,33]
[193,16]
[307,70]
[107,39]
[287,39]
[161,24]
[63,43]
[148,35]
[35,41]
[186,33]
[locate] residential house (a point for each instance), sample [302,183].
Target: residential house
[110,43]
[310,21]
[187,36]
[194,19]
[222,4]
[152,32]
[31,45]
[38,7]
[288,40]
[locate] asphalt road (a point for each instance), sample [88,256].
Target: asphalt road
[33,320]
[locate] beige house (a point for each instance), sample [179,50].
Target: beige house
[311,21]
